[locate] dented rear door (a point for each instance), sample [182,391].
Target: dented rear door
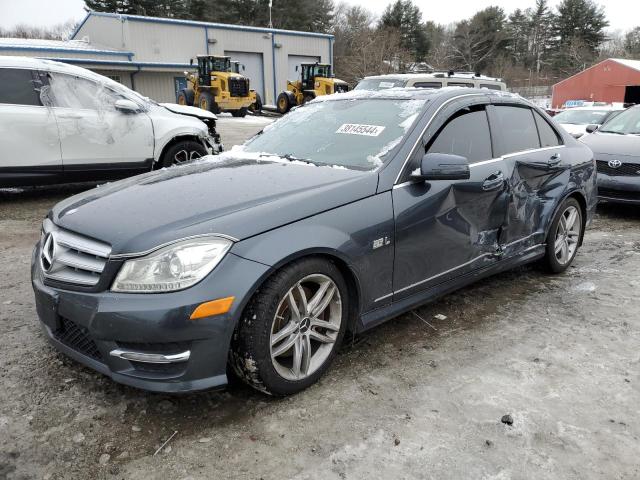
[446,229]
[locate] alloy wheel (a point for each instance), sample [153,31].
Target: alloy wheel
[183,156]
[567,235]
[305,327]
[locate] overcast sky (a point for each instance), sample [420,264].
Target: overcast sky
[50,12]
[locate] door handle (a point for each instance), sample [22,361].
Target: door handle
[493,181]
[69,115]
[554,160]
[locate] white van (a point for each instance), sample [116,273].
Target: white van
[430,80]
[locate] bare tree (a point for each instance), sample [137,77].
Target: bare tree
[61,31]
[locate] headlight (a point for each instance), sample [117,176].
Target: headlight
[175,267]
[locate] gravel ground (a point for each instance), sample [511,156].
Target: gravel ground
[422,396]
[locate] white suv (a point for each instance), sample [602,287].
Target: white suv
[430,80]
[61,123]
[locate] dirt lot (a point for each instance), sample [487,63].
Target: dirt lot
[419,397]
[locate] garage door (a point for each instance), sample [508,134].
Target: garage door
[295,61]
[251,66]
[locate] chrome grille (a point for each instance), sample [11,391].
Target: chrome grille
[71,258]
[624,170]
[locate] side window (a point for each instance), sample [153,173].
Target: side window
[548,136]
[79,93]
[427,85]
[17,87]
[460,84]
[516,129]
[466,134]
[490,86]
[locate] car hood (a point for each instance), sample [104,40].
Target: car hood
[574,129]
[187,110]
[236,197]
[613,144]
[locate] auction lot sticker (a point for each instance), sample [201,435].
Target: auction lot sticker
[357,129]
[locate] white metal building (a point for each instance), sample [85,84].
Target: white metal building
[151,54]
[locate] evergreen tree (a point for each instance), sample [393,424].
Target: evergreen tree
[479,41]
[406,18]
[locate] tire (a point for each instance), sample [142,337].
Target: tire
[269,314]
[181,152]
[256,107]
[207,102]
[185,97]
[564,240]
[239,113]
[283,104]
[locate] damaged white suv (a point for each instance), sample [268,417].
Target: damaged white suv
[61,123]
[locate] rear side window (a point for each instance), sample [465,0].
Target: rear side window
[516,129]
[490,86]
[548,136]
[17,87]
[460,84]
[465,134]
[427,85]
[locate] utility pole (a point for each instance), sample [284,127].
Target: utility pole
[270,5]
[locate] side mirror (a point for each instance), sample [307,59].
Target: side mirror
[443,166]
[296,68]
[592,128]
[126,106]
[191,61]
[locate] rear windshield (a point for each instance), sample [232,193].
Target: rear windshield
[355,134]
[582,117]
[380,83]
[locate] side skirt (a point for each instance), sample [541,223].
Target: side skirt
[381,315]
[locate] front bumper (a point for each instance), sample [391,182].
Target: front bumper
[90,327]
[619,189]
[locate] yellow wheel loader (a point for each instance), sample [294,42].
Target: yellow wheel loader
[217,88]
[316,79]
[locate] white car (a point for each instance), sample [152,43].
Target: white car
[61,123]
[576,120]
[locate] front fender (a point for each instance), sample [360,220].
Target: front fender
[346,233]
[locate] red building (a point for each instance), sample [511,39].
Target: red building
[612,80]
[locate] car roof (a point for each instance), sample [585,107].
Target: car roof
[433,75]
[421,94]
[601,107]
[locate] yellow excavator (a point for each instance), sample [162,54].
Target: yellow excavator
[217,88]
[316,79]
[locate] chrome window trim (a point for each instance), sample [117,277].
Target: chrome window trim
[151,250]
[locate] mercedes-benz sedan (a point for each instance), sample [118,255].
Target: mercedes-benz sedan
[345,213]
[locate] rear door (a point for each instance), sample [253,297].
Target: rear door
[532,152]
[28,131]
[444,228]
[94,135]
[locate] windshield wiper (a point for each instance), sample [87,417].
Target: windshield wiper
[290,157]
[610,131]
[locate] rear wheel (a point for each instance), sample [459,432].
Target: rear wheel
[182,151]
[256,107]
[283,103]
[307,98]
[185,97]
[290,331]
[564,236]
[239,113]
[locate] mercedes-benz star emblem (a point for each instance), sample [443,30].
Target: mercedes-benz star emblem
[615,163]
[48,252]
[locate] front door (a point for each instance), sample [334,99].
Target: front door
[93,133]
[446,228]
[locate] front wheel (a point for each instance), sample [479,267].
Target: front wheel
[239,113]
[283,104]
[182,151]
[564,236]
[290,331]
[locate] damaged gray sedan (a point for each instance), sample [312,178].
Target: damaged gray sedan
[259,260]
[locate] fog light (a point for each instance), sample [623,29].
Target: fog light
[214,307]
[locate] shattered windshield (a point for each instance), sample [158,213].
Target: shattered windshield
[354,133]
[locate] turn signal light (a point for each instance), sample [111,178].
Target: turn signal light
[214,307]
